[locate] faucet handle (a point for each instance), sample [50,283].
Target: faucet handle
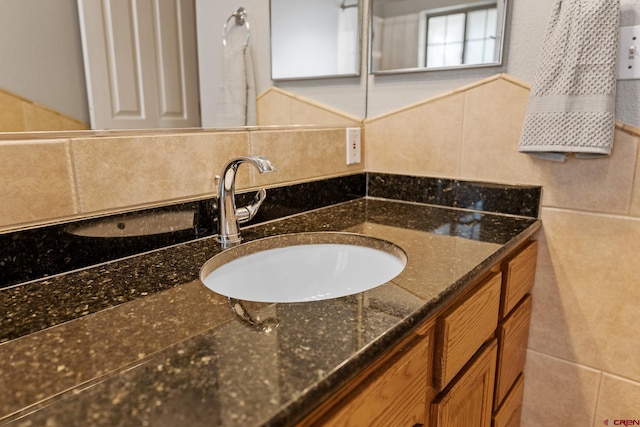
[246,213]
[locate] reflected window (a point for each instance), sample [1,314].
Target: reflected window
[418,35]
[459,37]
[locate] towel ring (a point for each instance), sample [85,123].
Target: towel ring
[240,16]
[344,5]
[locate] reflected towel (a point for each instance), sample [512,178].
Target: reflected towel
[571,106]
[237,106]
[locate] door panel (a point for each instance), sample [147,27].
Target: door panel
[140,63]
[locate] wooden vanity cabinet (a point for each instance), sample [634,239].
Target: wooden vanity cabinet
[461,368]
[518,273]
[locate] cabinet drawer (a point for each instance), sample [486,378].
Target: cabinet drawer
[467,401]
[519,273]
[508,415]
[463,329]
[396,394]
[513,334]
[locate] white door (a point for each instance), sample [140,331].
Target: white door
[141,63]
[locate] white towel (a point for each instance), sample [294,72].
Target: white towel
[571,106]
[237,106]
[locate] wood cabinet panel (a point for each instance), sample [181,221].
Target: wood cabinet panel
[509,414]
[395,395]
[519,274]
[513,335]
[467,401]
[463,329]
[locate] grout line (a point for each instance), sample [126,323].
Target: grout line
[595,407]
[76,180]
[582,365]
[73,178]
[562,359]
[592,213]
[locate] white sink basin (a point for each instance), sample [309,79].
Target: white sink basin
[303,267]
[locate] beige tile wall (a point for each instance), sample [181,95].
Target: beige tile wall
[583,365]
[37,181]
[21,115]
[121,172]
[277,106]
[51,180]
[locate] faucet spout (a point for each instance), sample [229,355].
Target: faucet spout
[228,215]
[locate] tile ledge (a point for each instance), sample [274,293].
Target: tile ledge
[626,128]
[459,90]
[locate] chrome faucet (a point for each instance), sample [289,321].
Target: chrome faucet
[228,215]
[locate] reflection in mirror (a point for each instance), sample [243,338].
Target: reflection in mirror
[314,38]
[418,35]
[140,64]
[42,53]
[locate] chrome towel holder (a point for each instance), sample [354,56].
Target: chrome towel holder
[240,16]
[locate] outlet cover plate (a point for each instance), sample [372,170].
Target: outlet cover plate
[353,145]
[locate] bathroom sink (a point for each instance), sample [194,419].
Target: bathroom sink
[303,267]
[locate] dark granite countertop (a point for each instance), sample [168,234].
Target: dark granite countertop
[141,341]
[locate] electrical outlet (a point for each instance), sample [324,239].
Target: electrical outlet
[353,146]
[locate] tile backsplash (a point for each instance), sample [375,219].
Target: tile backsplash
[37,181]
[51,180]
[87,173]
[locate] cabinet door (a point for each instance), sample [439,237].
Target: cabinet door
[463,329]
[394,395]
[467,401]
[508,415]
[513,335]
[141,64]
[519,274]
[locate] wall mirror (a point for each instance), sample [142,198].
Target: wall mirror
[421,35]
[37,36]
[314,38]
[43,54]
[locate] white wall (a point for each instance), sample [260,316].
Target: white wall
[41,54]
